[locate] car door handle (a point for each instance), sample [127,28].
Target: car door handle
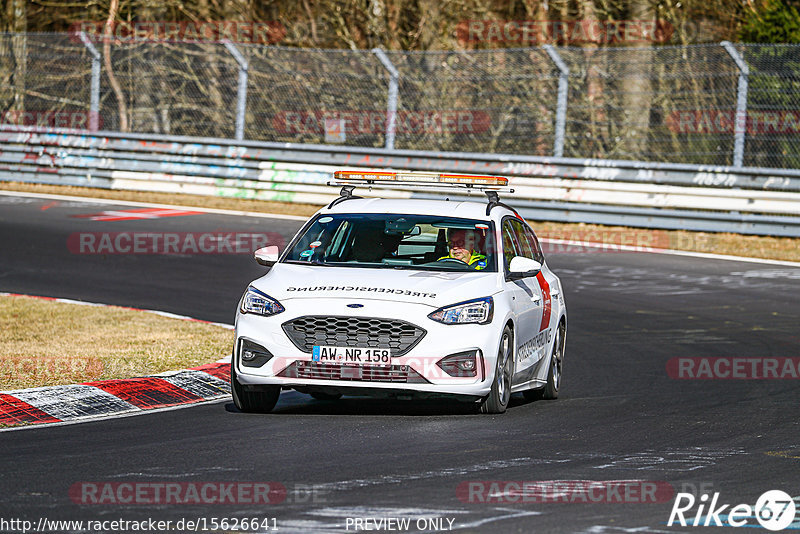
[554,294]
[536,298]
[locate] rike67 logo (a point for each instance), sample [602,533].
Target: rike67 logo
[774,510]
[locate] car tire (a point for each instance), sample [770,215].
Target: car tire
[497,400]
[326,396]
[262,401]
[550,390]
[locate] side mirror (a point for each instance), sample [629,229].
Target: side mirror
[267,256]
[520,266]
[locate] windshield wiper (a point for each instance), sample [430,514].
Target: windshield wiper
[317,263]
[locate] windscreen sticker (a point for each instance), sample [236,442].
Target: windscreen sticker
[438,274]
[325,220]
[307,253]
[548,304]
[363,289]
[315,244]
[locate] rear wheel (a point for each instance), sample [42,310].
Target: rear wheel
[550,390]
[261,401]
[500,394]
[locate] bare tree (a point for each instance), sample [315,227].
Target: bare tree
[637,90]
[122,107]
[19,45]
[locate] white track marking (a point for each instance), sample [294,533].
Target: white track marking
[84,303]
[111,202]
[705,255]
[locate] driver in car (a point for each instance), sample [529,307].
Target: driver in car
[464,245]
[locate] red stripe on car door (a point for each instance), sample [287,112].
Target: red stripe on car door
[547,302]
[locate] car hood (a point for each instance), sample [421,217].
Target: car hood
[433,288]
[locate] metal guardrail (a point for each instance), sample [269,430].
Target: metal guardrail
[652,195]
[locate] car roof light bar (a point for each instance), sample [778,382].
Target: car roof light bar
[390,178]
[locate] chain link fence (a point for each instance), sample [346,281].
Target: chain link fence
[702,104]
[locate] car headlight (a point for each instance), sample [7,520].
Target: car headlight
[254,301]
[478,311]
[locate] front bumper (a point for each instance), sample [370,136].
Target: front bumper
[414,372]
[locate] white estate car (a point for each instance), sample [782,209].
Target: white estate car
[369,299]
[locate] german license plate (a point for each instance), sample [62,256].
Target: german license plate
[351,355]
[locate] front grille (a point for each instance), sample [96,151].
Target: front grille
[336,371]
[362,332]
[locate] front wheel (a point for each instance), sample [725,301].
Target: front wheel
[262,401]
[500,394]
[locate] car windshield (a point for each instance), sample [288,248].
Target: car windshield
[422,242]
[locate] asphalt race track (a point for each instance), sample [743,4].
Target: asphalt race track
[620,415]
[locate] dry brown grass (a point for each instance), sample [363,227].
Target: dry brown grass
[776,248]
[45,343]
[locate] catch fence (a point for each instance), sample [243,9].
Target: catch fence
[716,104]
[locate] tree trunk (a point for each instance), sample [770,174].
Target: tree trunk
[19,44]
[122,106]
[429,23]
[637,87]
[595,94]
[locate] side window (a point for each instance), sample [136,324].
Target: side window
[530,247]
[510,246]
[526,247]
[537,248]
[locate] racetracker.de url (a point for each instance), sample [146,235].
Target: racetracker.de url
[195,524]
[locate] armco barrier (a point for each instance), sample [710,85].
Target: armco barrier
[651,195]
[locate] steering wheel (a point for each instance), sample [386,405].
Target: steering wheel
[452,260]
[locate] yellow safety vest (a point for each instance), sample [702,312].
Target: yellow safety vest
[480,259]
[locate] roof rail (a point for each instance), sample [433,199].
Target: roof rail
[345,194]
[494,201]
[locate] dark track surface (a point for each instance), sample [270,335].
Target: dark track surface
[619,416]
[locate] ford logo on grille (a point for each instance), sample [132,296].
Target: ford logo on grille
[355,305]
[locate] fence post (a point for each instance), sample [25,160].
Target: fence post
[391,104]
[94,99]
[241,93]
[740,123]
[561,109]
